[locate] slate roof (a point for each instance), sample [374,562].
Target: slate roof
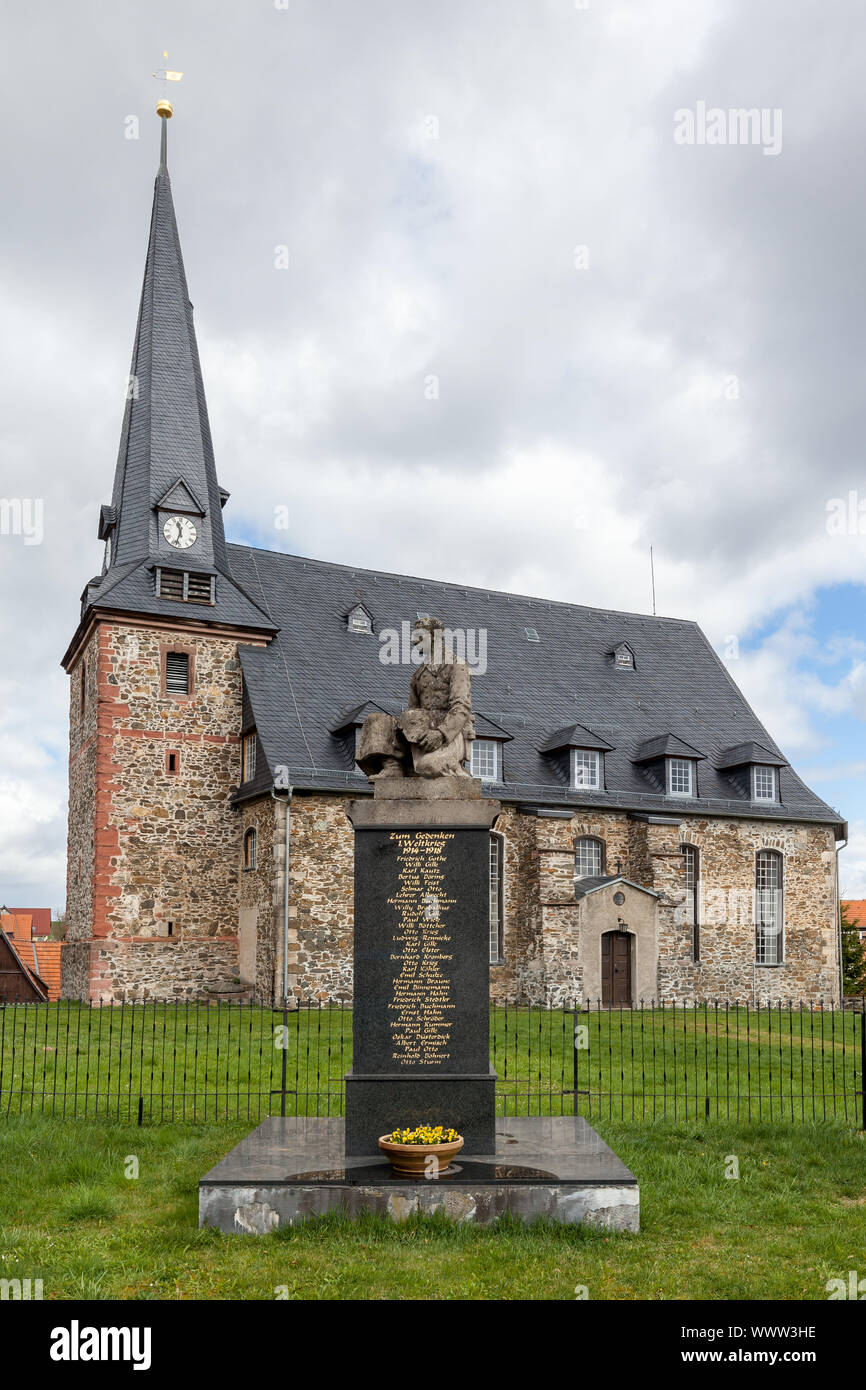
[665,746]
[745,753]
[574,736]
[165,434]
[315,672]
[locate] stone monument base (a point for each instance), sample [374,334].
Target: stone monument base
[289,1170]
[427,789]
[376,1104]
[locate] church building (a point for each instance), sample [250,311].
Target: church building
[653,843]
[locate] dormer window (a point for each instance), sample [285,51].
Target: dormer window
[763,783]
[586,768]
[486,760]
[359,620]
[532,634]
[681,777]
[623,657]
[752,770]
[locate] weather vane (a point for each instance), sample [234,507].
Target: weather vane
[165,75]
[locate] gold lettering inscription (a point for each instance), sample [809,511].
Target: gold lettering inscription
[421,1011]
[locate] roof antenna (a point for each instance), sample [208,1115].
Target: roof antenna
[653,577]
[164,109]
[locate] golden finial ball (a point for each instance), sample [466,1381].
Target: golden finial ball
[163,107]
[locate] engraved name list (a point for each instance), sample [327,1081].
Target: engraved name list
[421,1010]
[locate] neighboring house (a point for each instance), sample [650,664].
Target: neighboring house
[28,930]
[20,981]
[855,911]
[40,919]
[654,841]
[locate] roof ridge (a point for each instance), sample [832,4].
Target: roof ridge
[474,588]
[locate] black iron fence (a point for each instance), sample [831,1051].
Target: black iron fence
[188,1062]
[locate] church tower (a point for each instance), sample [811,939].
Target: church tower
[155,681]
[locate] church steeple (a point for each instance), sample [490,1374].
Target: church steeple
[165,439]
[165,543]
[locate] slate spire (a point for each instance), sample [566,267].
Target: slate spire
[166,506]
[165,436]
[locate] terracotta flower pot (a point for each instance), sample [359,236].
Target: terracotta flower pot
[412,1158]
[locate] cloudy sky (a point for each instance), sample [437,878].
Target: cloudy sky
[545,305]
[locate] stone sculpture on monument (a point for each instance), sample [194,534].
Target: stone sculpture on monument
[432,738]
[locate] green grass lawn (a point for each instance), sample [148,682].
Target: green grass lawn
[198,1063]
[795,1218]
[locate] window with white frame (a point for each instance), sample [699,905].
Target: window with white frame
[588,857]
[763,783]
[586,768]
[497,897]
[692,876]
[680,777]
[484,762]
[249,754]
[768,907]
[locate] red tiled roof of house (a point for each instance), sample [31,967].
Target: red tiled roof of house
[855,911]
[41,920]
[47,955]
[23,923]
[18,925]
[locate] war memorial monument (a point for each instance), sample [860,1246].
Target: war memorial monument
[421,1048]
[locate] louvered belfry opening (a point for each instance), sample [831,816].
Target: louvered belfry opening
[199,588]
[185,586]
[170,584]
[177,673]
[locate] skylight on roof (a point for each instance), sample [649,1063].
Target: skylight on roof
[531,634]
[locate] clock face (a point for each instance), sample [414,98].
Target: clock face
[180,532]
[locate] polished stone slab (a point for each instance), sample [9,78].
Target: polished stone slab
[421,1021]
[288,1170]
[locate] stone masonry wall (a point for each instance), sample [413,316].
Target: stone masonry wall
[82,796]
[810,969]
[541,932]
[321,895]
[261,889]
[166,844]
[521,923]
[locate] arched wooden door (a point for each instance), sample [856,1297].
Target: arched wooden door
[616,969]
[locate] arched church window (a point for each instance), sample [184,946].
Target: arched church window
[588,857]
